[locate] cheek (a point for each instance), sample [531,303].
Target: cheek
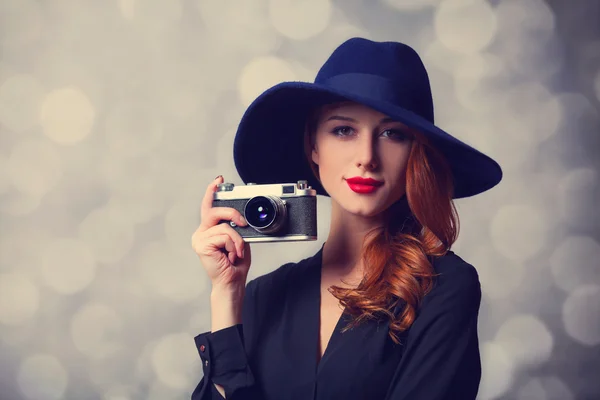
[330,154]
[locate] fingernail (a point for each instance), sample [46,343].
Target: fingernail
[218,176]
[243,251]
[242,220]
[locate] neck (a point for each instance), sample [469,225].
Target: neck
[343,248]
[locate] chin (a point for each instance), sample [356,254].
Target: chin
[362,210]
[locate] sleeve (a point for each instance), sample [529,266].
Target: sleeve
[441,360]
[224,360]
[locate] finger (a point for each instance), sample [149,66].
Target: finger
[233,235]
[216,214]
[224,243]
[208,197]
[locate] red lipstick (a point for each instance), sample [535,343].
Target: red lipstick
[363,185]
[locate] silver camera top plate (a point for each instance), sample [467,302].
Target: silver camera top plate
[228,191]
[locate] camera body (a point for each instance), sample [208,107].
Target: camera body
[274,212]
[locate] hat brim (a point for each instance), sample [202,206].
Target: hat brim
[269,143]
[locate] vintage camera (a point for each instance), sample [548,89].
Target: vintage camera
[274,212]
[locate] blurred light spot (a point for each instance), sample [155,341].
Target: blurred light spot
[334,34]
[182,103]
[525,33]
[94,330]
[140,187]
[18,204]
[499,135]
[476,131]
[260,74]
[133,129]
[21,23]
[465,26]
[157,390]
[526,340]
[439,56]
[545,388]
[578,197]
[138,202]
[225,164]
[499,277]
[127,8]
[497,371]
[200,322]
[42,377]
[519,18]
[109,236]
[581,315]
[67,115]
[248,27]
[34,166]
[68,266]
[183,217]
[143,370]
[115,373]
[411,5]
[155,17]
[473,81]
[575,261]
[301,71]
[16,249]
[118,392]
[173,274]
[173,359]
[20,100]
[19,298]
[300,20]
[519,231]
[544,110]
[577,110]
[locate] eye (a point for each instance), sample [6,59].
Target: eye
[396,134]
[342,130]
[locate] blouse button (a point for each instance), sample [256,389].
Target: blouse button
[202,348]
[206,363]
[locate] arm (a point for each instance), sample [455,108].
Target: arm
[226,370]
[441,359]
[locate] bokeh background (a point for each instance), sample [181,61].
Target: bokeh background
[115,115]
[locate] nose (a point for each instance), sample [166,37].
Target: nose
[366,153]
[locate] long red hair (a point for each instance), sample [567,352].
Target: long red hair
[398,257]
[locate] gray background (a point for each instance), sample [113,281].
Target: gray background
[115,115]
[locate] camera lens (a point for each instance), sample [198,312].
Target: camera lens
[266,214]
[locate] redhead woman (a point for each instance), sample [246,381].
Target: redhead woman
[385,309]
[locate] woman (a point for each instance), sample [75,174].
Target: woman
[384,310]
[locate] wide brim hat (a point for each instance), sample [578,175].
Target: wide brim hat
[388,77]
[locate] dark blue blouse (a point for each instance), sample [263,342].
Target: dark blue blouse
[272,355]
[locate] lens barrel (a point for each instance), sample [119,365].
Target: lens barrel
[266,214]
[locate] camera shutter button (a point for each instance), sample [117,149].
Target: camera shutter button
[225,187]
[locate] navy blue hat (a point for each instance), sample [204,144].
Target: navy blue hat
[386,76]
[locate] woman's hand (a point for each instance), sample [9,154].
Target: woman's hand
[222,251]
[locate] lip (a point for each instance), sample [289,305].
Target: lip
[363,185]
[364,181]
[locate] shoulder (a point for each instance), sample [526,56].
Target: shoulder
[456,281]
[454,269]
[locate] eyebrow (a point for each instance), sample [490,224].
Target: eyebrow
[342,118]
